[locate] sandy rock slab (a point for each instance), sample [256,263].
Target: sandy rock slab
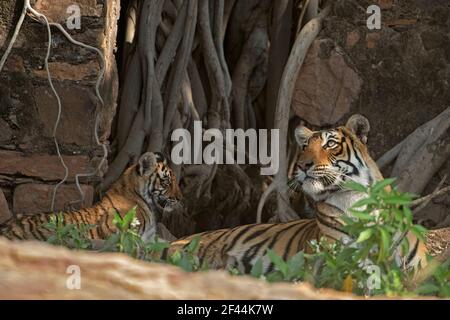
[34,270]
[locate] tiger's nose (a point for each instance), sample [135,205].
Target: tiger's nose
[305,166]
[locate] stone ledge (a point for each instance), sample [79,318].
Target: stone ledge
[32,270]
[36,198]
[45,167]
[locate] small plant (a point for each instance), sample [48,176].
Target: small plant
[68,235]
[126,239]
[368,264]
[188,259]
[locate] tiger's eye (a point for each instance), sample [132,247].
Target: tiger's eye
[331,144]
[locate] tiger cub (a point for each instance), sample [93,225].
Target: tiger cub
[150,185]
[328,158]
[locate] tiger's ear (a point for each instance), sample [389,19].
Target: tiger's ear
[147,164]
[302,134]
[360,126]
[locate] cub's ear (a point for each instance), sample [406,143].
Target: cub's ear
[360,126]
[147,164]
[302,134]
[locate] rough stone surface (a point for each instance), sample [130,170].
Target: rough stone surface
[45,167]
[372,39]
[67,71]
[385,4]
[35,198]
[326,85]
[33,270]
[405,73]
[352,39]
[5,131]
[57,10]
[76,124]
[27,106]
[5,213]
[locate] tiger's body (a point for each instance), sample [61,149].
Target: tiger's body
[328,158]
[149,186]
[242,246]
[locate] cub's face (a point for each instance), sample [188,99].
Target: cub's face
[328,158]
[158,184]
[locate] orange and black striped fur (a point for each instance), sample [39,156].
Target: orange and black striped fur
[328,159]
[148,185]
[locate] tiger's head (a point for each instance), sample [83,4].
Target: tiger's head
[328,158]
[156,182]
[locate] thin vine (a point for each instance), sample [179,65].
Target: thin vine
[35,15]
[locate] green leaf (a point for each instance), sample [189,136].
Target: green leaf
[175,257]
[278,262]
[364,202]
[157,246]
[365,235]
[427,288]
[296,265]
[361,215]
[185,264]
[128,244]
[382,184]
[419,231]
[385,239]
[257,269]
[117,221]
[193,245]
[111,242]
[275,276]
[355,186]
[397,200]
[129,216]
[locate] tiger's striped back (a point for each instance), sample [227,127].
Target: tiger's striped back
[242,246]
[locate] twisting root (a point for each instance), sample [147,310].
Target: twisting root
[271,188]
[27,8]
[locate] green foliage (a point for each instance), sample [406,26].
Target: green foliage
[126,240]
[69,235]
[364,264]
[367,263]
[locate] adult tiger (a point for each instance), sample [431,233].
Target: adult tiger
[150,185]
[328,158]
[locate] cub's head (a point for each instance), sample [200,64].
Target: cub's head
[156,182]
[330,157]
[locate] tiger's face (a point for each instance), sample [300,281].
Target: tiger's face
[328,158]
[159,185]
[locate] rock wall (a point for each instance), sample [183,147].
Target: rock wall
[29,166]
[398,76]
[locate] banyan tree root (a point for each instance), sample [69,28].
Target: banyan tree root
[296,58]
[176,69]
[421,154]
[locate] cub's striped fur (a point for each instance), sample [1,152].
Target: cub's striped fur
[328,159]
[149,185]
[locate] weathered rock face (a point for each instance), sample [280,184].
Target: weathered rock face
[5,131]
[326,85]
[38,271]
[76,123]
[5,214]
[28,107]
[42,166]
[404,67]
[35,198]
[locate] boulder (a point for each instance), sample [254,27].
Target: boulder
[326,85]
